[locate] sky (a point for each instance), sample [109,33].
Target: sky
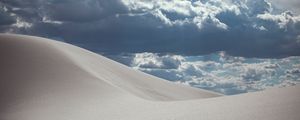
[292,5]
[227,46]
[248,28]
[219,71]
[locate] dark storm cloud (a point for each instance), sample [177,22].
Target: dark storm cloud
[83,10]
[239,27]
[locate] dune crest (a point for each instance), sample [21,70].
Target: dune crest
[53,55]
[46,79]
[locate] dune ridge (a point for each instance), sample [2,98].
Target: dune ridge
[46,79]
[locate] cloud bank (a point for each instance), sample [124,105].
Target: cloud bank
[188,27]
[218,72]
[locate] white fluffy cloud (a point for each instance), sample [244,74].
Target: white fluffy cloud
[202,13]
[179,12]
[220,72]
[283,20]
[150,60]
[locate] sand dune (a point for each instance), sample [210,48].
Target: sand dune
[42,79]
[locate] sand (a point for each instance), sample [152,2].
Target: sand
[43,79]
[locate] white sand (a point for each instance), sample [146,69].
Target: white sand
[43,79]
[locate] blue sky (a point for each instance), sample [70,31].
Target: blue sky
[228,46]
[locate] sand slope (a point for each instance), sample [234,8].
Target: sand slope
[43,79]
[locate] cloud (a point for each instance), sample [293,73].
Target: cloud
[284,20]
[5,18]
[151,60]
[239,27]
[219,72]
[176,12]
[292,5]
